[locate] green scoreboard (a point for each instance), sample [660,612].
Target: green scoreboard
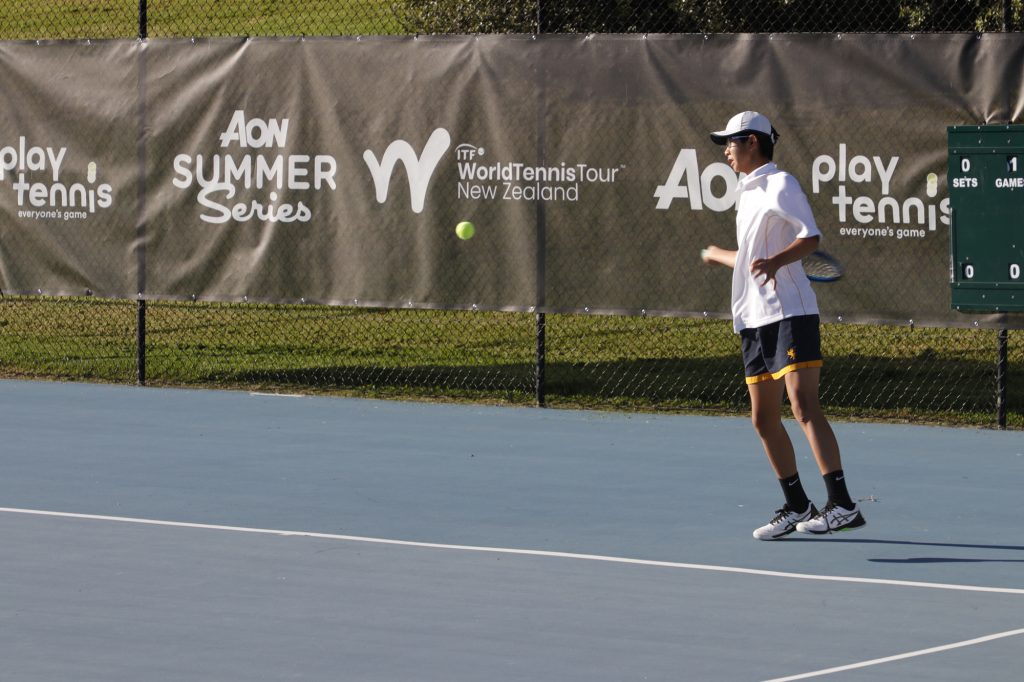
[986,195]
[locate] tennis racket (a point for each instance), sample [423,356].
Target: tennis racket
[822,267]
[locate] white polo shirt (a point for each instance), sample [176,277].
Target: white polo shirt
[771,211]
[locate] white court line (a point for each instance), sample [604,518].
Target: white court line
[523,552]
[899,657]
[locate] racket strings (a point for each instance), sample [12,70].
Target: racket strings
[822,266]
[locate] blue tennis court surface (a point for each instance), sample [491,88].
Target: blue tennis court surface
[203,535]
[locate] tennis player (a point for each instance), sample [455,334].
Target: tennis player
[775,313]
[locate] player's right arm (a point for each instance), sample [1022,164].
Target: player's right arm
[714,254]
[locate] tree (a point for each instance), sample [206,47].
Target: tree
[544,16]
[703,16]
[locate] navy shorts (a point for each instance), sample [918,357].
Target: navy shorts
[776,349]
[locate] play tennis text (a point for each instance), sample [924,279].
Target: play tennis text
[35,174]
[886,216]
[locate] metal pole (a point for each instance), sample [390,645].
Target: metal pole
[140,323]
[541,216]
[140,343]
[1002,360]
[1002,370]
[539,383]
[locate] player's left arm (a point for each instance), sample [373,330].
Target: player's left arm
[798,249]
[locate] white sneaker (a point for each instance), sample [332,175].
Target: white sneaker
[784,522]
[832,519]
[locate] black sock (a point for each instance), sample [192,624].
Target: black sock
[796,498]
[835,484]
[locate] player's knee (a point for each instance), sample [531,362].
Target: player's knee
[804,413]
[765,423]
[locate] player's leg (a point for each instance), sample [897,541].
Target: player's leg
[766,414]
[766,397]
[841,512]
[802,387]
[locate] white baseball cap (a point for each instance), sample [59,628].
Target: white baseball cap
[745,122]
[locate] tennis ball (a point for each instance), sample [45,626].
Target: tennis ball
[465,230]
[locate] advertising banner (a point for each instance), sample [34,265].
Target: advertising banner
[336,170]
[327,170]
[69,168]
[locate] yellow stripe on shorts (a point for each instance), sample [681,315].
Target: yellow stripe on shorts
[784,371]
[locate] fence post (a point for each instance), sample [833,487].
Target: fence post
[539,383]
[140,319]
[140,343]
[1002,370]
[1002,361]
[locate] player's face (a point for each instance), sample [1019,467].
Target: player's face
[741,151]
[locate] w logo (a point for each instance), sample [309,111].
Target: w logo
[418,169]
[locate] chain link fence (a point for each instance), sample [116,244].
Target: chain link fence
[935,375]
[925,375]
[98,19]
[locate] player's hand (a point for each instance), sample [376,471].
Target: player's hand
[764,271]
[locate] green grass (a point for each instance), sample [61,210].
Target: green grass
[103,19]
[68,19]
[592,362]
[170,18]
